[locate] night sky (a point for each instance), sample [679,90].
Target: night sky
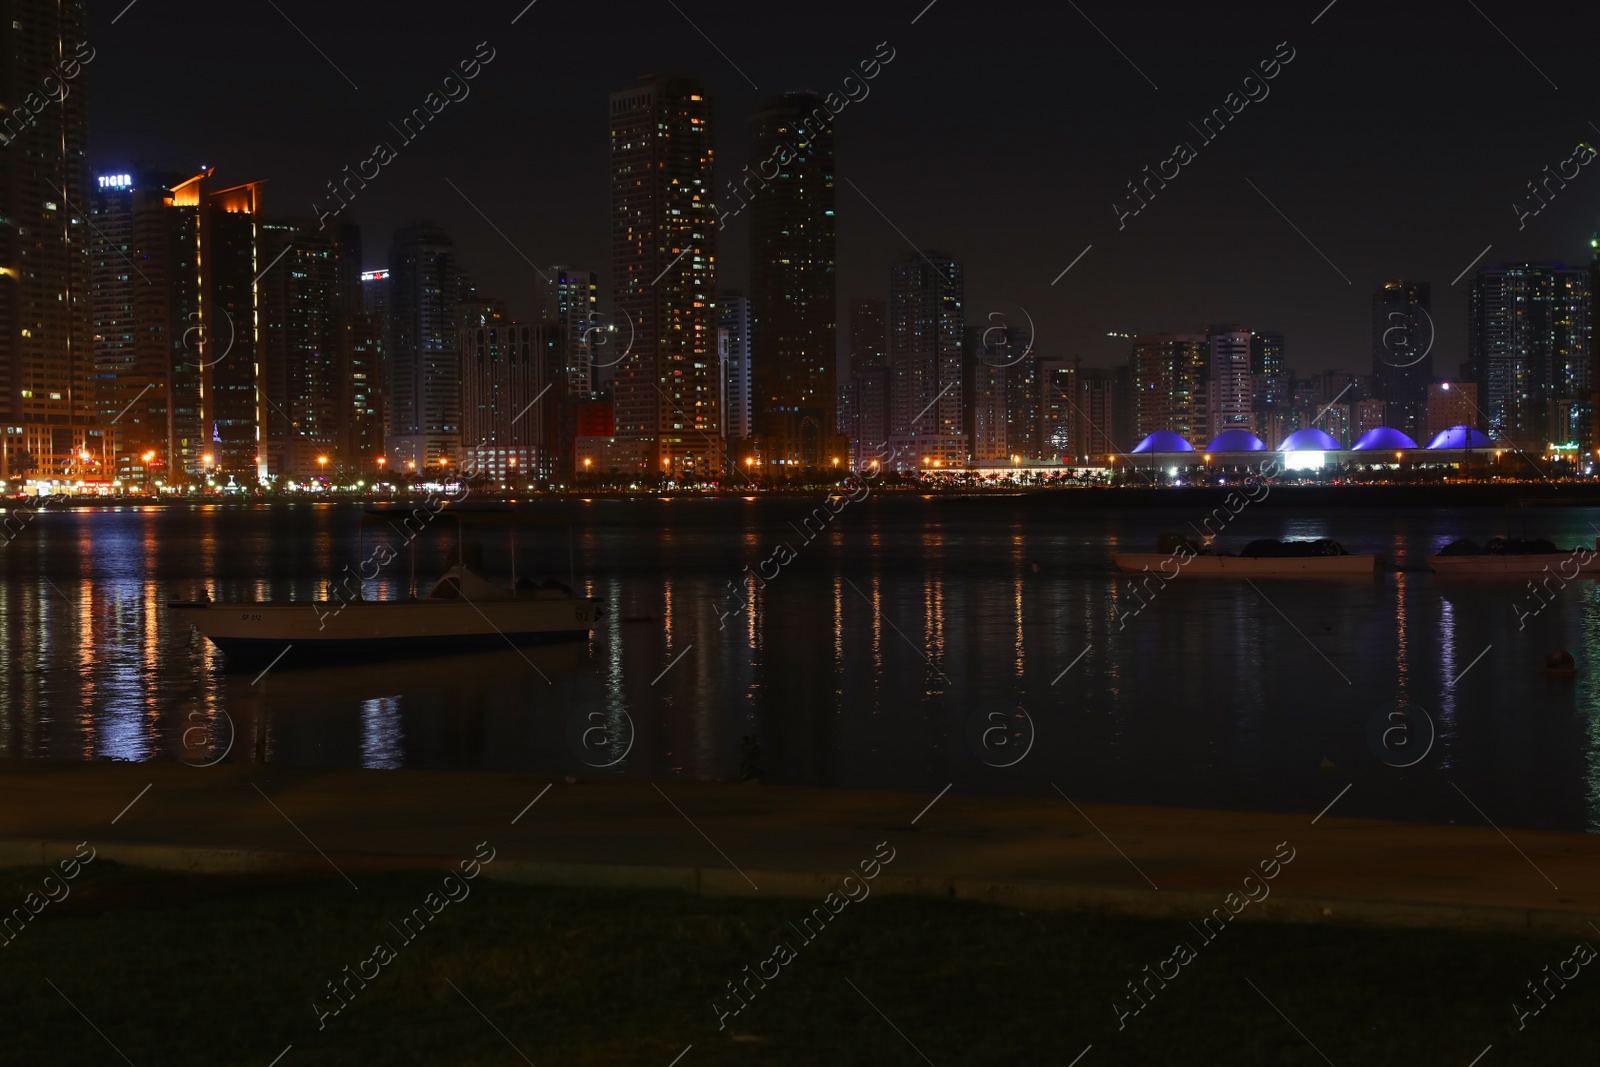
[1398,139]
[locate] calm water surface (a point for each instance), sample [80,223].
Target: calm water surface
[908,646]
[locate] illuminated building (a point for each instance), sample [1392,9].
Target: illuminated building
[1528,341]
[421,356]
[504,368]
[321,354]
[196,377]
[926,325]
[1402,352]
[864,399]
[1058,419]
[119,378]
[733,350]
[47,400]
[1169,376]
[793,362]
[1451,404]
[1096,429]
[581,350]
[1229,383]
[663,230]
[987,361]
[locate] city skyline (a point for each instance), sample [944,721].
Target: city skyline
[1225,254]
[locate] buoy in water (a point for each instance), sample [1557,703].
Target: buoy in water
[1035,567]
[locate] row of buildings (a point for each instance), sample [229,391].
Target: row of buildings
[167,328]
[942,392]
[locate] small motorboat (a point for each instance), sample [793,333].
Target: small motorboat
[1319,558]
[1513,556]
[464,611]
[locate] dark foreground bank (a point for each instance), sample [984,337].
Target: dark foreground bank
[185,969]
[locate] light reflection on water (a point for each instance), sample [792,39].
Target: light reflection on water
[859,664]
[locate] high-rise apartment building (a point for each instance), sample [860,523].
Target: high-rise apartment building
[926,326]
[793,295]
[864,398]
[504,368]
[1402,352]
[985,367]
[1169,386]
[1528,344]
[1528,341]
[425,287]
[1096,429]
[663,229]
[1229,390]
[47,401]
[1450,404]
[304,381]
[733,351]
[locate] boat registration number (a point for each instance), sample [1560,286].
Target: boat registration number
[248,617]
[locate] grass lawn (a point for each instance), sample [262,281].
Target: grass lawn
[179,970]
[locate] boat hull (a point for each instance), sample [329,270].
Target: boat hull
[319,631]
[1168,565]
[1488,566]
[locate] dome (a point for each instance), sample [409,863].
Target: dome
[1163,441]
[1236,440]
[1459,437]
[1310,439]
[1382,439]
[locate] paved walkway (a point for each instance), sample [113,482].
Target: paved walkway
[772,840]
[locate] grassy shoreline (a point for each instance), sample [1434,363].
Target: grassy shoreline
[180,969]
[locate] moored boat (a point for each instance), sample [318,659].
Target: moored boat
[1321,558]
[463,611]
[1512,556]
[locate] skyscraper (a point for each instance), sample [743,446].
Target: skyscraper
[421,350]
[1528,342]
[792,289]
[1402,353]
[926,325]
[1169,379]
[864,399]
[1229,390]
[504,368]
[571,308]
[301,371]
[985,367]
[733,350]
[663,227]
[46,330]
[119,379]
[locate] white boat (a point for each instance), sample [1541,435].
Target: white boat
[464,611]
[1260,559]
[1523,558]
[1166,565]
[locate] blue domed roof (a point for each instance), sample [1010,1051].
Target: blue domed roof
[1236,440]
[1382,439]
[1310,439]
[1459,437]
[1163,441]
